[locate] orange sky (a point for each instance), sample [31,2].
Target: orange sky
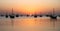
[30,6]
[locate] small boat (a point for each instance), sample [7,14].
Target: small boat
[1,15]
[6,16]
[12,15]
[53,17]
[40,15]
[17,15]
[27,15]
[35,16]
[47,15]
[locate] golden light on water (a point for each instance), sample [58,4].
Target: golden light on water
[32,24]
[29,24]
[26,22]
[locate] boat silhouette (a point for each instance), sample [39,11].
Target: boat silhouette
[35,16]
[47,15]
[40,15]
[53,16]
[17,15]
[12,15]
[6,16]
[1,15]
[27,15]
[58,15]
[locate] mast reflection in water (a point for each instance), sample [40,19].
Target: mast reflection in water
[29,24]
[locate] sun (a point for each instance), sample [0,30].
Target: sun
[29,6]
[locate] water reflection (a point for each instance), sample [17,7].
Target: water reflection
[29,24]
[53,21]
[12,22]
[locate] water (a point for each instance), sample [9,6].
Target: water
[29,24]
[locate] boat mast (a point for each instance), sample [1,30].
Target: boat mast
[12,11]
[53,11]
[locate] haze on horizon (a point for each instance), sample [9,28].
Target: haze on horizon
[30,6]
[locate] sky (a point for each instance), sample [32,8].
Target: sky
[29,6]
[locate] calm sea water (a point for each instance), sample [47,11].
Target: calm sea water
[29,24]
